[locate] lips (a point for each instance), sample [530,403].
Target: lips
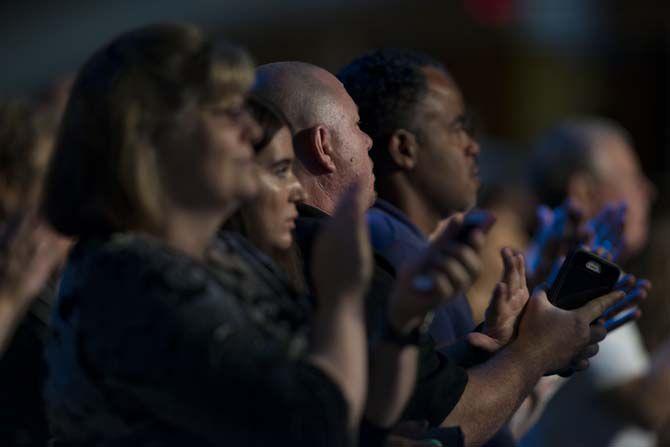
[290,221]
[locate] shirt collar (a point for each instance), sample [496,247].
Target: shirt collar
[397,214]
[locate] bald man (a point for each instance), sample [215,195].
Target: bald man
[309,94]
[333,152]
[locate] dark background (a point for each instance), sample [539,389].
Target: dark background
[522,64]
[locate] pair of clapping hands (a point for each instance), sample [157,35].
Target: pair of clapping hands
[451,263]
[560,231]
[564,228]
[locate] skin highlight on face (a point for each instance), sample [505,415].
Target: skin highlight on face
[270,218]
[447,169]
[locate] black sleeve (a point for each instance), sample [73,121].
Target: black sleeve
[372,435]
[187,356]
[440,384]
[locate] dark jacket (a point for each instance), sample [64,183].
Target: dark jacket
[441,381]
[151,347]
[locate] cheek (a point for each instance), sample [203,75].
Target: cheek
[272,202]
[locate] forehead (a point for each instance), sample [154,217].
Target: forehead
[613,154]
[442,95]
[279,148]
[338,95]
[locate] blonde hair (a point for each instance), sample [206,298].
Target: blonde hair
[104,174]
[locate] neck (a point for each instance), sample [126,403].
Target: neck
[318,196]
[399,191]
[191,231]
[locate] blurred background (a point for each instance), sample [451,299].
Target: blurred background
[522,64]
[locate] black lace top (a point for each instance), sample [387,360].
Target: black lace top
[150,347]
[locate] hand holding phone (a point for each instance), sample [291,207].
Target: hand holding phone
[583,277]
[473,220]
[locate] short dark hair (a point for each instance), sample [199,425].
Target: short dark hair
[387,84]
[564,150]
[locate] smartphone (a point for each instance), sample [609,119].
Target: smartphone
[582,277]
[475,219]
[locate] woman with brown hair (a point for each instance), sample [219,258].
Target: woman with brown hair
[163,335]
[269,220]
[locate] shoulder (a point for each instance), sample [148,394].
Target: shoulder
[128,270]
[382,228]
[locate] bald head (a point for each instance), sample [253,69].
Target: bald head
[304,92]
[331,149]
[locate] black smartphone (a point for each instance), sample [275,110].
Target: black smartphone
[476,218]
[582,277]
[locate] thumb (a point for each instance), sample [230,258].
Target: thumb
[450,231]
[483,341]
[595,308]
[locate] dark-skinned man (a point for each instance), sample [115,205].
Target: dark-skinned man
[332,152]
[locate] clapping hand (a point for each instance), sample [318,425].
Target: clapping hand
[507,304]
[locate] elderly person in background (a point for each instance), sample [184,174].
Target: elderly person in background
[592,163]
[333,151]
[164,334]
[30,256]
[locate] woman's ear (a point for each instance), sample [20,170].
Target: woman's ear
[403,149]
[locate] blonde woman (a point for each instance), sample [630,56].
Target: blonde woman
[161,335]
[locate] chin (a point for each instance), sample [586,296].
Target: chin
[284,242]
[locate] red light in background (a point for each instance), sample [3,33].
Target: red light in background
[491,12]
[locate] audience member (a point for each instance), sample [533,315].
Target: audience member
[592,163]
[332,151]
[161,334]
[30,253]
[269,220]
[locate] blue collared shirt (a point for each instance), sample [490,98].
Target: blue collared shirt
[397,239]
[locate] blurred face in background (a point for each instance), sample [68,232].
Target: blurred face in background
[619,178]
[209,160]
[270,218]
[447,170]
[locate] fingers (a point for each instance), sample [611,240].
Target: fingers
[466,256]
[458,275]
[483,341]
[625,283]
[508,265]
[589,351]
[581,365]
[443,239]
[545,216]
[597,333]
[604,252]
[595,308]
[632,300]
[622,318]
[514,272]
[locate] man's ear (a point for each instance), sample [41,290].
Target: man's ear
[322,142]
[403,149]
[314,149]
